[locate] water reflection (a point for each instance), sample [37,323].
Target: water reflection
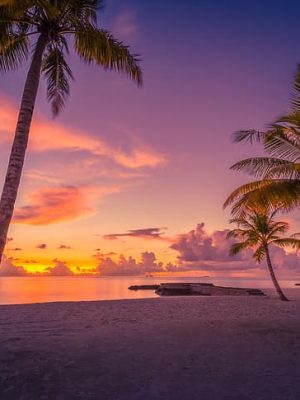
[19,290]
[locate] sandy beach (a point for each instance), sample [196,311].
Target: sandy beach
[165,348]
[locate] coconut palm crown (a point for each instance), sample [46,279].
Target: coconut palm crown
[55,25]
[42,31]
[279,170]
[258,230]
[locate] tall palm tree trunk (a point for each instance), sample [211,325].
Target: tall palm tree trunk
[17,155]
[273,277]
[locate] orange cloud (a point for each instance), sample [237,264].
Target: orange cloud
[47,135]
[52,205]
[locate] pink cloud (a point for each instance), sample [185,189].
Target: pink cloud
[197,250]
[198,245]
[52,205]
[49,135]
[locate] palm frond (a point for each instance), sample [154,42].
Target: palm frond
[287,170]
[249,136]
[291,123]
[19,18]
[296,99]
[238,247]
[261,166]
[242,223]
[88,10]
[245,189]
[287,242]
[271,215]
[278,228]
[259,253]
[237,233]
[295,235]
[84,11]
[13,52]
[246,204]
[58,74]
[282,143]
[265,194]
[100,47]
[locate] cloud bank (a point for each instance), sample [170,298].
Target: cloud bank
[60,268]
[128,266]
[7,268]
[197,251]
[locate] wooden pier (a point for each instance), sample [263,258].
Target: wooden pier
[198,289]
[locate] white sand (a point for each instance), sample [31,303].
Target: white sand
[190,348]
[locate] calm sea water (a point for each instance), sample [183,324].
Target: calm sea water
[20,290]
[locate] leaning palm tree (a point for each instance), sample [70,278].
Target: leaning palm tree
[279,171]
[49,27]
[257,230]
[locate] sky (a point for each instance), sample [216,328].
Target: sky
[129,179]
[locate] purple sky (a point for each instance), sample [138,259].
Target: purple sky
[210,68]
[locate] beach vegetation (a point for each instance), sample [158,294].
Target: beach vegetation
[257,230]
[278,171]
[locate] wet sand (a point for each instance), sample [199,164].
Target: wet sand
[212,348]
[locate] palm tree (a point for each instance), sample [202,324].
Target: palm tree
[257,230]
[49,27]
[279,170]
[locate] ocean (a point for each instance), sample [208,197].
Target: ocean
[22,290]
